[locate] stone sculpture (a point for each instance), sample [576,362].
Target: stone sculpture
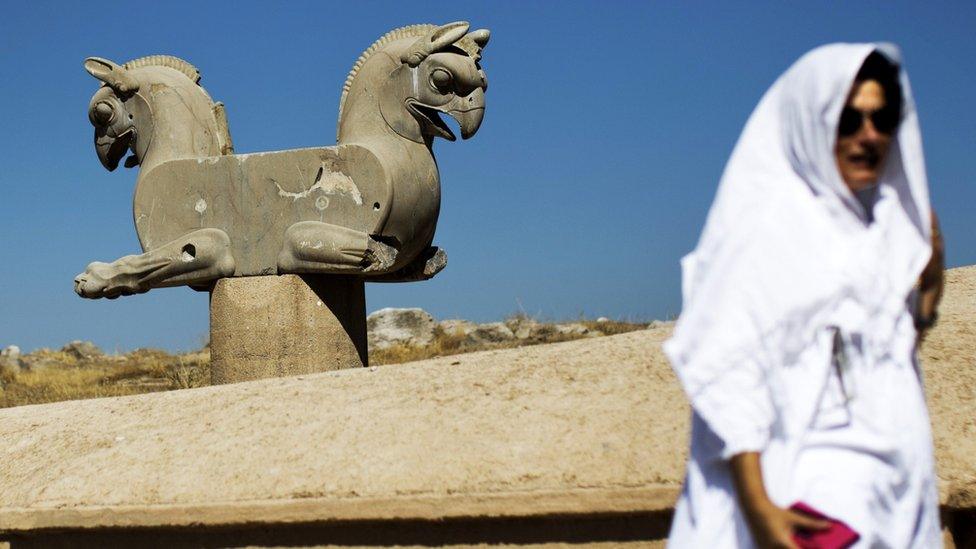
[366,207]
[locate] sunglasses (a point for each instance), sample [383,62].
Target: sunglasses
[884,120]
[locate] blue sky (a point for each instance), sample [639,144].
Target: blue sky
[607,128]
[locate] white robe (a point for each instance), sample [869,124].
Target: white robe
[789,261]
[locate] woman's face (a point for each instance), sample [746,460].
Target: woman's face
[861,153]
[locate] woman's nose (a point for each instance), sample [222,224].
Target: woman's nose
[868,131]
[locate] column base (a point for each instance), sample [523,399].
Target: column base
[274,326]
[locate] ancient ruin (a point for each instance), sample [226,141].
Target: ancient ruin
[365,209]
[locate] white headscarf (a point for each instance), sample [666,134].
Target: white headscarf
[787,250]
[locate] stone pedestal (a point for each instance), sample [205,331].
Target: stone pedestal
[273,326]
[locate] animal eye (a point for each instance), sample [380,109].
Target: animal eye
[102,113]
[442,80]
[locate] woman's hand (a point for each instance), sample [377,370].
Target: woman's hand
[771,526]
[774,527]
[932,280]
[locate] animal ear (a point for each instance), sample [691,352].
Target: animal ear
[112,74]
[434,41]
[446,35]
[480,37]
[99,68]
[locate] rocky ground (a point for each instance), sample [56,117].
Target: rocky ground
[81,370]
[404,335]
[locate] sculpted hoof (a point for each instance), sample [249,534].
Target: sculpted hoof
[435,263]
[103,280]
[379,256]
[199,257]
[315,247]
[424,267]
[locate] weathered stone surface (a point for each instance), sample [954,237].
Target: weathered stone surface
[457,327]
[523,327]
[285,325]
[574,329]
[655,324]
[392,326]
[365,207]
[478,334]
[528,329]
[10,351]
[491,332]
[477,435]
[514,329]
[10,360]
[82,350]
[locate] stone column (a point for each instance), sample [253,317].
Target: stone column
[273,326]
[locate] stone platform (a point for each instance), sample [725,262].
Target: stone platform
[466,449]
[575,443]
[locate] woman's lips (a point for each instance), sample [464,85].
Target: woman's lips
[866,160]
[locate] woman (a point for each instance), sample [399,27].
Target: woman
[796,343]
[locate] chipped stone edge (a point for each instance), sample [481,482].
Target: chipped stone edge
[589,501]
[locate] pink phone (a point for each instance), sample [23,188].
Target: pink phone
[838,536]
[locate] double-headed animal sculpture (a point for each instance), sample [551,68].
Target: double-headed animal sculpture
[366,207]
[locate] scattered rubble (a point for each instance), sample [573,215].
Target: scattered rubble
[10,361]
[391,326]
[82,350]
[492,332]
[457,327]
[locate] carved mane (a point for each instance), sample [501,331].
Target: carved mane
[184,67]
[409,31]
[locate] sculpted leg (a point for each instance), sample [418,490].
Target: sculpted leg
[423,267]
[314,247]
[200,256]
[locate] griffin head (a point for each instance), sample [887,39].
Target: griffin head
[117,111]
[439,73]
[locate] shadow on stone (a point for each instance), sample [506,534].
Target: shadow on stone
[637,529]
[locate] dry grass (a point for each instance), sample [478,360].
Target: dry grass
[147,370]
[68,378]
[443,344]
[614,327]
